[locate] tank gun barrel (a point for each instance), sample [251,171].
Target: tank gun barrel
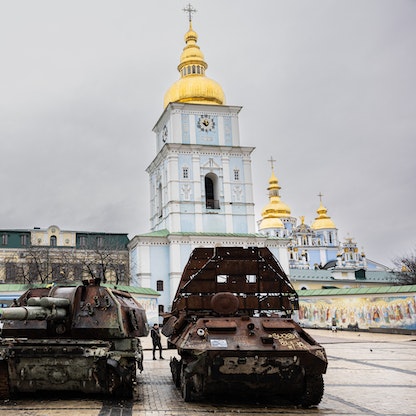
[48,302]
[46,308]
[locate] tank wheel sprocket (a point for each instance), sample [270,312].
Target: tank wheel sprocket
[314,390]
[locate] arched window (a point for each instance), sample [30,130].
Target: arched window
[159,285]
[52,241]
[211,198]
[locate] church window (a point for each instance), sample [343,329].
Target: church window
[330,238]
[211,199]
[159,285]
[193,69]
[82,241]
[189,70]
[198,69]
[4,239]
[52,241]
[236,175]
[185,173]
[161,309]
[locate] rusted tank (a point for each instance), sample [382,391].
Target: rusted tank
[82,338]
[231,324]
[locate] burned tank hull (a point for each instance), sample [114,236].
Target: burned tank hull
[81,338]
[231,326]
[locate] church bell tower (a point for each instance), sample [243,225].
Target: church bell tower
[200,179]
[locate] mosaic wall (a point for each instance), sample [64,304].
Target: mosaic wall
[359,312]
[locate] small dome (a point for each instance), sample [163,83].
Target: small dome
[193,86]
[276,208]
[322,221]
[271,223]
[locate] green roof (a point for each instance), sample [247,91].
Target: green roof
[4,287]
[357,291]
[134,289]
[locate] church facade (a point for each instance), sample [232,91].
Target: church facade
[201,191]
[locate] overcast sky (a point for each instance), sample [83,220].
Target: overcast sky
[328,88]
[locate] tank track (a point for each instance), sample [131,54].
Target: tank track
[314,390]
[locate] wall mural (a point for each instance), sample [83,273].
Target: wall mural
[359,312]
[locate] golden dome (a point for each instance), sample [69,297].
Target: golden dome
[193,86]
[275,209]
[322,220]
[271,223]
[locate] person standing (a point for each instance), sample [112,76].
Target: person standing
[155,334]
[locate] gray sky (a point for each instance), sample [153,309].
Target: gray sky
[327,88]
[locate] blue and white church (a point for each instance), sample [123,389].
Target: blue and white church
[201,191]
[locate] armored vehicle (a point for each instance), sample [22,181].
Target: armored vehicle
[231,324]
[82,338]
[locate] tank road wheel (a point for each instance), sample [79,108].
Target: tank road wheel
[314,390]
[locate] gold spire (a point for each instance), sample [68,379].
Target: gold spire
[193,86]
[275,209]
[322,220]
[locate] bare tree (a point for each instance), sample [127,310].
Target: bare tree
[38,264]
[105,257]
[107,261]
[406,275]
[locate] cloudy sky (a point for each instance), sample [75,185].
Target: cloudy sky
[328,88]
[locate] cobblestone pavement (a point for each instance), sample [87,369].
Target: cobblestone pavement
[368,374]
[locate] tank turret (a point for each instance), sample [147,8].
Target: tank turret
[72,338]
[230,322]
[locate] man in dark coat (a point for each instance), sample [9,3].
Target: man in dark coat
[155,334]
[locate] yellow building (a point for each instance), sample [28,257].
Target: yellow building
[54,255]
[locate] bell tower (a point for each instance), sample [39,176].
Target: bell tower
[200,179]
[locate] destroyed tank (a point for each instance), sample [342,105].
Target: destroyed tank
[82,338]
[230,322]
